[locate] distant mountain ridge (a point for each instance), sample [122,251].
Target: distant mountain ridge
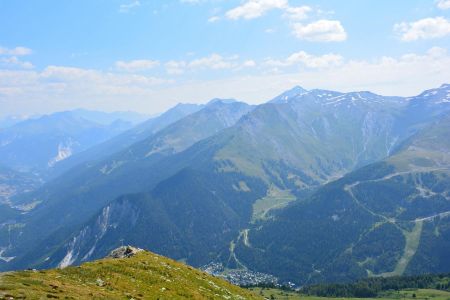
[106,118]
[122,141]
[38,144]
[137,159]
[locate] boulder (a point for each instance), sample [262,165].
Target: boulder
[124,252]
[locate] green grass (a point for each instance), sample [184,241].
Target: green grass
[404,294]
[286,295]
[275,199]
[419,294]
[143,276]
[412,242]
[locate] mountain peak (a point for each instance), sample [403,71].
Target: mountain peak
[436,96]
[183,105]
[295,91]
[184,108]
[220,100]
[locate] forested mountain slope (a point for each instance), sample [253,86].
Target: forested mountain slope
[389,218]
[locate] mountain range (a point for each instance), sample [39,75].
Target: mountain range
[38,144]
[312,186]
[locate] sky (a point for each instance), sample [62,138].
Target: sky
[148,55]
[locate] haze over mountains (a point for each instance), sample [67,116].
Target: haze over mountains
[311,186]
[38,144]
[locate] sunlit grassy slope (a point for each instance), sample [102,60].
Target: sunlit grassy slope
[143,276]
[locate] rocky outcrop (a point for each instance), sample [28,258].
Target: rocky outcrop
[124,252]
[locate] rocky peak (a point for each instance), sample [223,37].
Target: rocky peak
[220,101]
[287,95]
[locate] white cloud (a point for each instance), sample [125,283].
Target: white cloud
[61,88]
[252,9]
[307,60]
[406,75]
[321,31]
[175,67]
[9,57]
[136,65]
[311,61]
[298,13]
[18,51]
[214,61]
[255,8]
[443,4]
[99,78]
[428,28]
[15,61]
[190,1]
[124,8]
[213,19]
[249,63]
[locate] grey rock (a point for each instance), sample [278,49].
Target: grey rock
[124,252]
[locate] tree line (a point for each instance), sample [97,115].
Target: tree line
[372,287]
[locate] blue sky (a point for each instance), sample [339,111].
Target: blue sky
[147,55]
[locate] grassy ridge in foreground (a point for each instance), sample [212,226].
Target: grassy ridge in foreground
[143,276]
